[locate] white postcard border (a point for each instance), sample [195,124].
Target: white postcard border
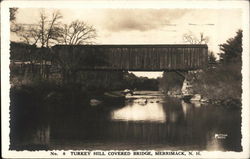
[244,5]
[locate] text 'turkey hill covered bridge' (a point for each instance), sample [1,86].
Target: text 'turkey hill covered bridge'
[136,57]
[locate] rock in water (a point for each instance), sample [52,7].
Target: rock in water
[196,97]
[141,101]
[94,102]
[197,104]
[204,100]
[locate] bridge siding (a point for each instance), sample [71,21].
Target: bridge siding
[155,57]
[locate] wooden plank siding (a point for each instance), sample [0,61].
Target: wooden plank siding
[142,57]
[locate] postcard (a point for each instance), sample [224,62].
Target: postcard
[125,79]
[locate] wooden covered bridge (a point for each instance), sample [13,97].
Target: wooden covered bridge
[136,57]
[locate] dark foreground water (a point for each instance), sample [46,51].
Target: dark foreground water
[147,120]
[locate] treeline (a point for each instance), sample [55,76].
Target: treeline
[34,60]
[29,63]
[140,83]
[116,80]
[221,81]
[36,40]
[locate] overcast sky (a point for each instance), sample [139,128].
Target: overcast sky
[150,26]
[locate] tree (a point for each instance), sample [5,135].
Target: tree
[192,39]
[45,32]
[13,26]
[13,12]
[28,34]
[72,57]
[231,51]
[49,29]
[78,32]
[211,57]
[224,82]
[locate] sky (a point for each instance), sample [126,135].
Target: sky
[149,26]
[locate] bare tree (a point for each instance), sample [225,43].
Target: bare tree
[45,32]
[192,39]
[48,31]
[78,32]
[27,33]
[49,28]
[69,60]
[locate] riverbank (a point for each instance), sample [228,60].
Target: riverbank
[52,97]
[221,84]
[198,99]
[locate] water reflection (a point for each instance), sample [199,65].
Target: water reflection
[42,135]
[158,123]
[213,143]
[150,112]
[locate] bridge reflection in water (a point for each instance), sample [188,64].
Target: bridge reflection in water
[152,112]
[158,123]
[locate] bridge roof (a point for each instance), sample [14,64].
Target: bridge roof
[140,46]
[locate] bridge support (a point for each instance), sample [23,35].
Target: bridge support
[181,74]
[186,88]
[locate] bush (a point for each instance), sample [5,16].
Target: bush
[222,82]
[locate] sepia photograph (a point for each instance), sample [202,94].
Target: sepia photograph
[125,81]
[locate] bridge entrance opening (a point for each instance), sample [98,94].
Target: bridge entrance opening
[143,80]
[154,74]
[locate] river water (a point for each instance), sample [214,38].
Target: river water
[147,120]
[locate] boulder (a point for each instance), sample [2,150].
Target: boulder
[197,104]
[196,97]
[141,101]
[95,102]
[204,100]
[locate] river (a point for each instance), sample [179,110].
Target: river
[147,120]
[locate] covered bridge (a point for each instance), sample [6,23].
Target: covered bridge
[135,57]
